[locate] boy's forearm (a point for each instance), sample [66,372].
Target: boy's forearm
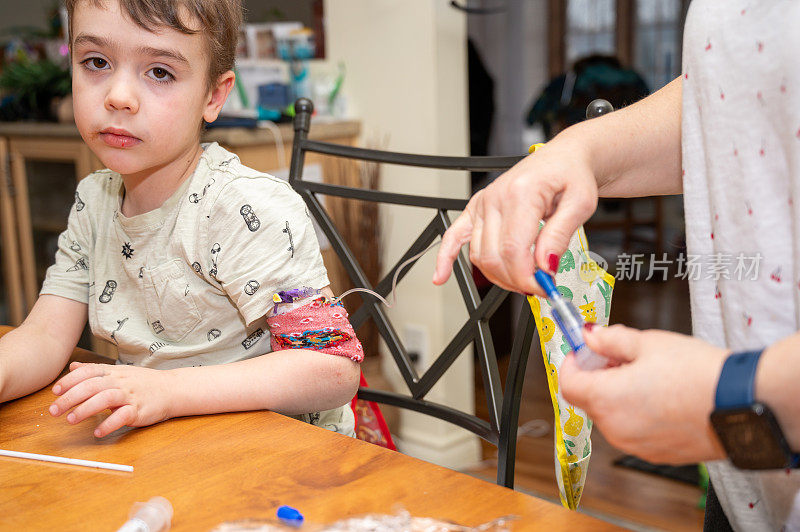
[635,151]
[29,361]
[776,386]
[33,354]
[295,381]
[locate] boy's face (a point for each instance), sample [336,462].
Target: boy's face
[138,96]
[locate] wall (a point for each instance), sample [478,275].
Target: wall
[34,13]
[407,82]
[513,46]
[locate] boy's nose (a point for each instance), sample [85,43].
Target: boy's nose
[121,96]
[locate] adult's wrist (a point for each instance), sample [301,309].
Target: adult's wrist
[772,387]
[748,429]
[586,143]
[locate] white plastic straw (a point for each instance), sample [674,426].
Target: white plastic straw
[62,460]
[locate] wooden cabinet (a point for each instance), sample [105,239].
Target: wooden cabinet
[33,206]
[23,144]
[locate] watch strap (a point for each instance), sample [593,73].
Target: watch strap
[736,384]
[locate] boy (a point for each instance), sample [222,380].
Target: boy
[173,252]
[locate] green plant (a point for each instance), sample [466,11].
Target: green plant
[32,86]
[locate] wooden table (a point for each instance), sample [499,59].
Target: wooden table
[235,466]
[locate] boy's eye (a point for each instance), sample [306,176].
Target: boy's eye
[161,74]
[96,63]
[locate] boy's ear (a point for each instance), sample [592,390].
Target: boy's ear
[219,93]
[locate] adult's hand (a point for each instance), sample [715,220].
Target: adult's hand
[501,222]
[635,151]
[656,402]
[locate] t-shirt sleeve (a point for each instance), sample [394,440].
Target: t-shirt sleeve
[261,240]
[69,275]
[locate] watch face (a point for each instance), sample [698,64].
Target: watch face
[752,437]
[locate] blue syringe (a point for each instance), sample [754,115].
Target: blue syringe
[570,323]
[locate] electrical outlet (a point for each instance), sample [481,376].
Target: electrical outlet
[415,338]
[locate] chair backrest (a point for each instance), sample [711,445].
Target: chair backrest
[502,401]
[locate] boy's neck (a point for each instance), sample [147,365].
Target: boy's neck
[148,190]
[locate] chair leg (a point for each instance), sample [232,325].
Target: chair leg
[628,226]
[506,454]
[507,441]
[659,225]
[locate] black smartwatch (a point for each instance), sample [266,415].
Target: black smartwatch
[747,429]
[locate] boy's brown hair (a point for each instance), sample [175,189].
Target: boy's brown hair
[218,20]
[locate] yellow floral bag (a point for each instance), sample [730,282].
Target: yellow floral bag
[581,280]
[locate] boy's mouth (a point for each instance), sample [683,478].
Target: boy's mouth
[118,138]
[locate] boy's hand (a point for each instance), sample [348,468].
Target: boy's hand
[656,403]
[136,396]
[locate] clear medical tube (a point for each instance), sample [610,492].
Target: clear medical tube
[570,322]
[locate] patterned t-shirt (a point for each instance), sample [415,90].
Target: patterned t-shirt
[741,158]
[190,283]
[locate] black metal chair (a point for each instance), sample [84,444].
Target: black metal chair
[503,402]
